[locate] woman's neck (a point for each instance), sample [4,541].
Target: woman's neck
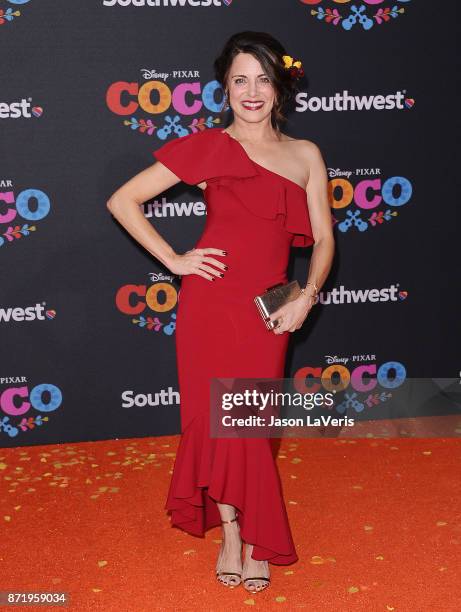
[253,133]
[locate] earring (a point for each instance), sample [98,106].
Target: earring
[226,105]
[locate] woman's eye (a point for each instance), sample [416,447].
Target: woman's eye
[241,80]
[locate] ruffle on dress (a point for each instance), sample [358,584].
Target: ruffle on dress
[236,471]
[219,159]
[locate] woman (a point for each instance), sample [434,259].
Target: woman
[265,192]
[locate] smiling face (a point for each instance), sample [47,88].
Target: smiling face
[250,90]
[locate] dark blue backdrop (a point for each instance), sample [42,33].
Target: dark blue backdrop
[87,316]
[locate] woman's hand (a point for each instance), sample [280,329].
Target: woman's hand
[293,314]
[196,261]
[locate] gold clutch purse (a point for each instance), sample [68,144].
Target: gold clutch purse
[274,297]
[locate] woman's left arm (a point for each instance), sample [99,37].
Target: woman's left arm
[295,313]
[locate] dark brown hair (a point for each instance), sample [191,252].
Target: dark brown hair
[269,52]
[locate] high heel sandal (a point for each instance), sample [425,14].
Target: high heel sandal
[256,589]
[219,572]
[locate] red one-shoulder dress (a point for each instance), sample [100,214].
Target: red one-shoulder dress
[255,215]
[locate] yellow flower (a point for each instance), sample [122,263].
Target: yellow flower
[289,62]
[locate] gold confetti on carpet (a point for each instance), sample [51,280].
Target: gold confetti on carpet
[89,519]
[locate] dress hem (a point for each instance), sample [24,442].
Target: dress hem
[259,553]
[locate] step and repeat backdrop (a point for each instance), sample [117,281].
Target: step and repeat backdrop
[90,89]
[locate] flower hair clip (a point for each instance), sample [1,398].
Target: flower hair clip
[295,67]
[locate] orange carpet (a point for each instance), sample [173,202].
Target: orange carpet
[377,526]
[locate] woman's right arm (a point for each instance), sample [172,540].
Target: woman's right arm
[125,206]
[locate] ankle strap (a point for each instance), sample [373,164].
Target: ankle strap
[231,520]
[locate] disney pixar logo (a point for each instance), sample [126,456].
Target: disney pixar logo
[151,307]
[8,15]
[18,397]
[18,210]
[367,13]
[365,198]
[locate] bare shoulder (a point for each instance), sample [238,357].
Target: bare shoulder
[307,148]
[308,155]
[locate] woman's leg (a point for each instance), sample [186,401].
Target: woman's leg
[252,568]
[231,560]
[231,550]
